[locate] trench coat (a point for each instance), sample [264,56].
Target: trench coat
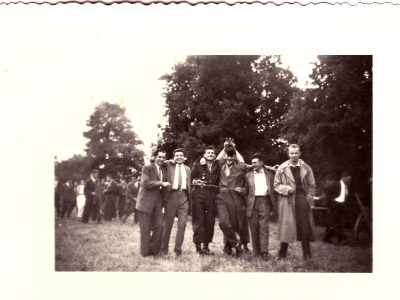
[286,206]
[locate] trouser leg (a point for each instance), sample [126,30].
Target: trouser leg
[170,213]
[87,209]
[283,250]
[144,225]
[182,212]
[305,245]
[157,226]
[255,232]
[70,208]
[209,220]
[225,222]
[57,205]
[198,219]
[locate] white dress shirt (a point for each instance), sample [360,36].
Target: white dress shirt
[159,172]
[179,168]
[260,183]
[343,192]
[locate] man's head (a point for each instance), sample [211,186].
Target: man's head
[123,181]
[257,162]
[109,177]
[94,173]
[159,157]
[230,154]
[330,178]
[346,178]
[179,156]
[294,153]
[82,182]
[209,153]
[135,177]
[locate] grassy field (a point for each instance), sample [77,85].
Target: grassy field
[115,247]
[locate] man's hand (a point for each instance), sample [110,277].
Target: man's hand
[203,161]
[199,182]
[238,190]
[166,184]
[290,190]
[93,193]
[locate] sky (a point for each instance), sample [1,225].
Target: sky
[83,63]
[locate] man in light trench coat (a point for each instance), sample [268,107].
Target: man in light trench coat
[294,182]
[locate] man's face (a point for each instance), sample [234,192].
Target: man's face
[179,157]
[134,179]
[160,158]
[294,155]
[108,179]
[82,182]
[95,175]
[209,154]
[230,159]
[256,164]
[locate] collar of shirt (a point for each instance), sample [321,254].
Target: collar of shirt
[292,165]
[258,173]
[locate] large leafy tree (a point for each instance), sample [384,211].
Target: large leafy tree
[112,143]
[209,98]
[333,120]
[75,168]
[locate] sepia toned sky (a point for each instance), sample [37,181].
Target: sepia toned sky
[83,61]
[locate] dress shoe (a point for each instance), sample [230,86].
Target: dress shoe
[123,220]
[238,250]
[246,249]
[178,253]
[207,251]
[264,256]
[227,249]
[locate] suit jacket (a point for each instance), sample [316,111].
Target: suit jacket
[90,187]
[273,196]
[112,189]
[287,216]
[203,173]
[67,193]
[170,173]
[150,188]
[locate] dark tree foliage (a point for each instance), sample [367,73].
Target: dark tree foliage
[209,98]
[112,143]
[75,168]
[333,121]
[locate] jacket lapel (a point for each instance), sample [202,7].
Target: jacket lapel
[303,172]
[156,171]
[235,172]
[251,181]
[213,167]
[288,172]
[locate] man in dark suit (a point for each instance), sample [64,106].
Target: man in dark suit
[149,205]
[261,202]
[111,194]
[205,180]
[336,197]
[67,197]
[57,188]
[132,191]
[90,193]
[177,200]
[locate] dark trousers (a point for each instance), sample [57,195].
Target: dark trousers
[66,208]
[259,225]
[231,214]
[109,207]
[87,210]
[151,230]
[177,206]
[57,204]
[119,207]
[203,218]
[335,226]
[130,209]
[96,215]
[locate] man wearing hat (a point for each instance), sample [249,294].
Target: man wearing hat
[132,191]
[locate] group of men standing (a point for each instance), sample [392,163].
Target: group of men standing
[245,197]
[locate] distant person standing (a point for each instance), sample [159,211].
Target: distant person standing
[294,182]
[149,205]
[336,195]
[90,193]
[80,199]
[122,199]
[132,191]
[97,203]
[111,195]
[57,189]
[67,198]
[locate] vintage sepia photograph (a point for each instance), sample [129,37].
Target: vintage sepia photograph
[200,144]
